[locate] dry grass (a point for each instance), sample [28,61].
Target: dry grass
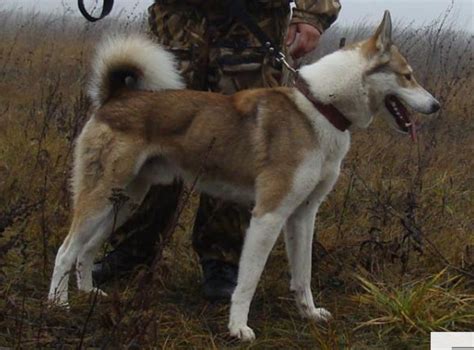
[417,307]
[395,253]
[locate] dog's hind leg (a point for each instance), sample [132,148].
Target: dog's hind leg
[114,215]
[64,262]
[100,168]
[95,217]
[90,243]
[83,227]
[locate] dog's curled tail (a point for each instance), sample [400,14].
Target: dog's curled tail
[131,62]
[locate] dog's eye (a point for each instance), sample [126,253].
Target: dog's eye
[408,76]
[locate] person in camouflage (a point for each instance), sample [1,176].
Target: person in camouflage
[216,53]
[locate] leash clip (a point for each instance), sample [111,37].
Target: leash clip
[270,47]
[292,6]
[281,58]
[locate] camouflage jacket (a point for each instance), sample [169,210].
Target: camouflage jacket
[319,13]
[207,39]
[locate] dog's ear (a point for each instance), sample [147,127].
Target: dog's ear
[383,35]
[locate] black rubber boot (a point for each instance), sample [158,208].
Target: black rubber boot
[118,263]
[219,279]
[140,235]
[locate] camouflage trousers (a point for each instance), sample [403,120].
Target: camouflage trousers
[215,54]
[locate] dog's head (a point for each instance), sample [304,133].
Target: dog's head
[390,82]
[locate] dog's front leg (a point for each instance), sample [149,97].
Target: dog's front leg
[299,241]
[259,240]
[299,232]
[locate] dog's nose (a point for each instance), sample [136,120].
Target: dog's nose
[435,106]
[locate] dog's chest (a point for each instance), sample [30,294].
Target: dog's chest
[329,156]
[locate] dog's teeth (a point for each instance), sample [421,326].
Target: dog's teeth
[407,125]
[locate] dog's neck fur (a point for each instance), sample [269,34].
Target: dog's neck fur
[337,79]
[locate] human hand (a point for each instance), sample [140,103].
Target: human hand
[302,38]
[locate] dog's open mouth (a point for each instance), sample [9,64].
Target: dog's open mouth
[401,115]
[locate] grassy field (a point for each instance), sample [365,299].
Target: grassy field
[394,257]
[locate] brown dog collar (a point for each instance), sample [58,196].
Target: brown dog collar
[331,113]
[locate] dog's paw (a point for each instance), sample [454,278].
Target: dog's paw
[98,292]
[243,333]
[58,300]
[316,314]
[54,303]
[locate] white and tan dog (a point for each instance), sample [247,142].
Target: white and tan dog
[280,149]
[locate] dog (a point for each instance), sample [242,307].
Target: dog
[278,148]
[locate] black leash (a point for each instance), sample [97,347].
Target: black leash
[238,10]
[106,9]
